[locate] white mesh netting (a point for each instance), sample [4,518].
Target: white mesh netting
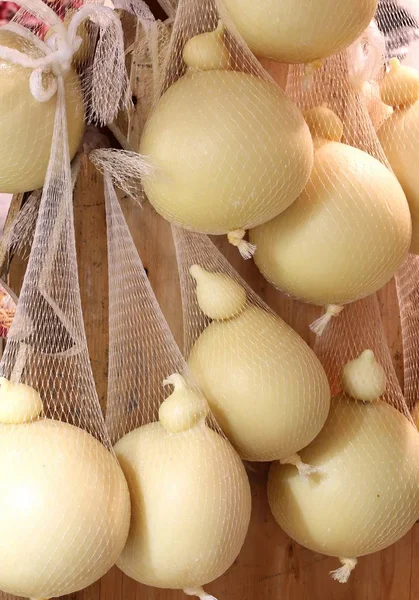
[255,151]
[223,150]
[64,500]
[350,229]
[407,281]
[189,490]
[365,493]
[264,384]
[345,235]
[85,52]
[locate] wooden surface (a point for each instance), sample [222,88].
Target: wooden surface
[270,566]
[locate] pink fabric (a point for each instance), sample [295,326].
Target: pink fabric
[8,10]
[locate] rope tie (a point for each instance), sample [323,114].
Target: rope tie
[57,51]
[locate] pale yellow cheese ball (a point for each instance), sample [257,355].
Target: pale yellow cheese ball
[228,150]
[399,136]
[64,509]
[367,495]
[297,31]
[190,499]
[265,386]
[26,125]
[344,237]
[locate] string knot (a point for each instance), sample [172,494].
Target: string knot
[245,248]
[304,470]
[319,325]
[57,51]
[343,573]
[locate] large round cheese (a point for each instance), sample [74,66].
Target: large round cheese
[190,505]
[399,137]
[26,125]
[265,386]
[64,509]
[228,151]
[299,31]
[344,237]
[367,495]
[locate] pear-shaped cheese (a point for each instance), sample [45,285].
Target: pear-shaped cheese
[265,386]
[228,151]
[190,496]
[64,509]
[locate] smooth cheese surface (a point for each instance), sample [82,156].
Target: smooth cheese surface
[344,237]
[299,31]
[265,386]
[190,500]
[229,151]
[64,509]
[367,496]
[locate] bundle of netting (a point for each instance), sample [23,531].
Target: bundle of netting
[349,230]
[73,63]
[149,54]
[265,386]
[190,494]
[229,149]
[64,502]
[365,494]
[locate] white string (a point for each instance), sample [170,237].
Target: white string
[245,248]
[304,470]
[319,325]
[58,51]
[344,572]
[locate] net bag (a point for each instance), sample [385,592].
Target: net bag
[64,502]
[149,56]
[78,62]
[407,282]
[189,490]
[229,149]
[365,495]
[350,229]
[399,134]
[265,386]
